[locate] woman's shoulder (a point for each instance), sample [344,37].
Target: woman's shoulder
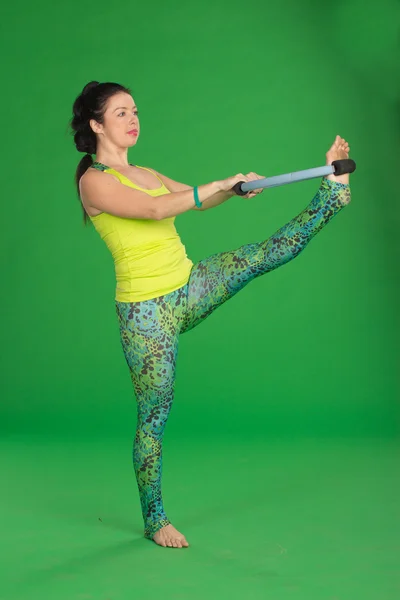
[88,180]
[93,174]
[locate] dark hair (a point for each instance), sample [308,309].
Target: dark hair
[90,104]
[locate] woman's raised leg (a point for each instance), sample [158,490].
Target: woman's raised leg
[220,276]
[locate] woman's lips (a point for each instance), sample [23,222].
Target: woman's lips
[133,132]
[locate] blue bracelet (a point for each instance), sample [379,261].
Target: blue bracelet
[196,197]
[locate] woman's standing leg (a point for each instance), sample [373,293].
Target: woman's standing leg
[220,276]
[149,336]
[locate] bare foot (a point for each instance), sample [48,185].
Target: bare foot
[169,536]
[339,149]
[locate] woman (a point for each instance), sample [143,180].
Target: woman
[160,293]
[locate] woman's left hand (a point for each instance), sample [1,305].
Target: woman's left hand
[252,193]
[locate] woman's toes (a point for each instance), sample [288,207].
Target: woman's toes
[171,538]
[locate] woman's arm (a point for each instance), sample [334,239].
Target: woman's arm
[176,186]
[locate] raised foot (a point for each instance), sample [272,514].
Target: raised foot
[339,149]
[169,536]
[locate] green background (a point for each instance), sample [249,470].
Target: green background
[281,450]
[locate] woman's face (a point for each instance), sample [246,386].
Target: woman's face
[120,118]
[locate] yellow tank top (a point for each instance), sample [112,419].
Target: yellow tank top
[149,257]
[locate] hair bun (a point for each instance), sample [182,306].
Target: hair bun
[88,87]
[81,107]
[85,143]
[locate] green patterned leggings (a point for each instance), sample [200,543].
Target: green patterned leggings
[150,330]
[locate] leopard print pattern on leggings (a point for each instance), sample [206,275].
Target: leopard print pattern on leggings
[150,331]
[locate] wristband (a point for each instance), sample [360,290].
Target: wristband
[196,197]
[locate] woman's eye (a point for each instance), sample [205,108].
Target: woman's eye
[123,112]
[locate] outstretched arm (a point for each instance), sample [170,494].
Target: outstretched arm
[176,186]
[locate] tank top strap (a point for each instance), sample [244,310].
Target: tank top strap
[122,178]
[101,167]
[150,170]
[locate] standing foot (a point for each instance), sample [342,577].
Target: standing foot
[169,536]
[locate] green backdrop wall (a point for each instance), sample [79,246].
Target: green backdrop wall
[309,349]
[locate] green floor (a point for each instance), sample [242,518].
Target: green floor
[303,519]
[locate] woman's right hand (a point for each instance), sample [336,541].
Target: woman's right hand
[226,185]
